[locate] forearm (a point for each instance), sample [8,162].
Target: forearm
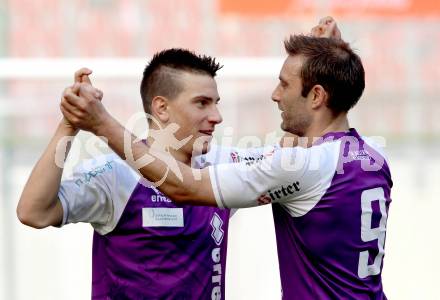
[39,197]
[187,189]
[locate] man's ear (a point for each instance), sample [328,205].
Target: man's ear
[159,108]
[318,96]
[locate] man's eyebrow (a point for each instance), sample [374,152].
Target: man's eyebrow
[202,97]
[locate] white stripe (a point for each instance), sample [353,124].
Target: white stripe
[56,68]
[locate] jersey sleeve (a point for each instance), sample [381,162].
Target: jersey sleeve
[225,155]
[97,192]
[295,176]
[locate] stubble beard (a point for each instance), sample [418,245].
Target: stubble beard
[298,126]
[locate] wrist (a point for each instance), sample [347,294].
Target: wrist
[101,128]
[66,128]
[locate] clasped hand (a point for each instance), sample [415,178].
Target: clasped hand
[81,104]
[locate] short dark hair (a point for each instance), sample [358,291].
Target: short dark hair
[332,64]
[159,77]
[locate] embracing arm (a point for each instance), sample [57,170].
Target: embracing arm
[39,206]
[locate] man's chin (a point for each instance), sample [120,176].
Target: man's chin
[283,126]
[289,129]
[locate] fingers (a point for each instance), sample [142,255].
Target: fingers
[68,115]
[330,28]
[72,106]
[73,89]
[317,31]
[99,94]
[326,20]
[70,97]
[86,79]
[69,111]
[336,33]
[81,107]
[86,90]
[89,92]
[79,96]
[327,28]
[82,75]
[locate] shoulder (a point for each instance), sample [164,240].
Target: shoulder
[377,143]
[109,168]
[313,158]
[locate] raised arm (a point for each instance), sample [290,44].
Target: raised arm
[39,206]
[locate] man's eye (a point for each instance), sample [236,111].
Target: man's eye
[202,103]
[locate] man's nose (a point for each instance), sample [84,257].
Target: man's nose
[275,95]
[215,116]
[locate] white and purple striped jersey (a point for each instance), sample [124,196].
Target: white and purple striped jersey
[144,245]
[330,206]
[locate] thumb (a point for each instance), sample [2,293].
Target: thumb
[82,75]
[86,79]
[89,92]
[336,33]
[75,88]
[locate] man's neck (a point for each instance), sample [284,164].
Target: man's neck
[326,125]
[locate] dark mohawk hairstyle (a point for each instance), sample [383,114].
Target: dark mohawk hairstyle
[160,75]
